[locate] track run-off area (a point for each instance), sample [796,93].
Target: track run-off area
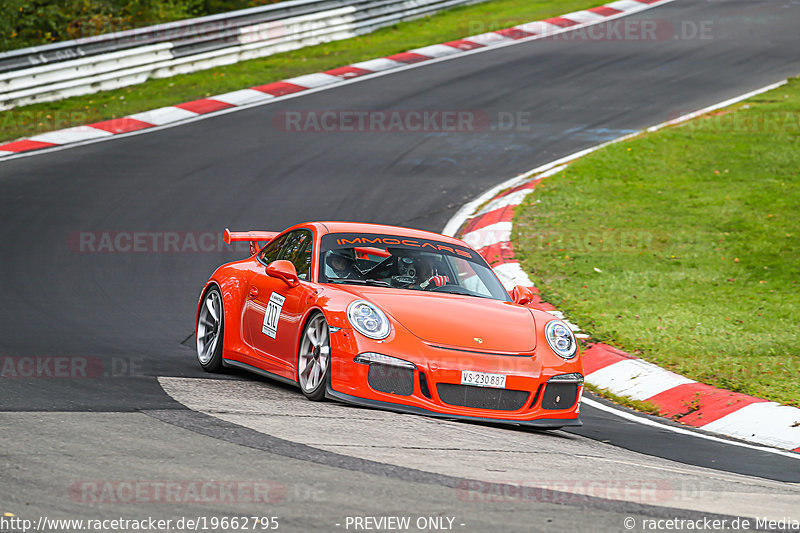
[146,414]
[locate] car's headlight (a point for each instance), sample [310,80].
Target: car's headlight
[368,320]
[561,339]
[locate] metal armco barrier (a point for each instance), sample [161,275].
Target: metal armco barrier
[83,66]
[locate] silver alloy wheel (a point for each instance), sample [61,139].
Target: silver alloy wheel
[209,327]
[315,355]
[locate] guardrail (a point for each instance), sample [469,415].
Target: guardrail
[84,66]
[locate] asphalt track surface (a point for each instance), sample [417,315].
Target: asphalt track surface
[126,314]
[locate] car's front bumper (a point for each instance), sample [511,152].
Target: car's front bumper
[544,423]
[434,386]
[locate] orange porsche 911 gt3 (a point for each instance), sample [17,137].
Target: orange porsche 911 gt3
[392,318]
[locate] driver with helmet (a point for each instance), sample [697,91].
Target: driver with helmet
[427,278]
[340,264]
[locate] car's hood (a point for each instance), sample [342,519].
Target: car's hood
[465,322]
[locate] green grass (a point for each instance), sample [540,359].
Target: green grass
[683,246]
[453,24]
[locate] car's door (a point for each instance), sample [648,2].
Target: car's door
[274,310]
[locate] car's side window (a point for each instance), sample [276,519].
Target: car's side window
[270,252]
[297,249]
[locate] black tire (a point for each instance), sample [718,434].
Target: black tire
[210,329]
[314,358]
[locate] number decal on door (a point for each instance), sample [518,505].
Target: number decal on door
[272,315]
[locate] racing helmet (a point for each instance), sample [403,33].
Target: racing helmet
[343,253]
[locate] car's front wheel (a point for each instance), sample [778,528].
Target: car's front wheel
[210,327]
[314,358]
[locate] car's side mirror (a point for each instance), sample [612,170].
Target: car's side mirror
[522,295]
[285,270]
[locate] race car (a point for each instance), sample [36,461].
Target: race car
[392,318]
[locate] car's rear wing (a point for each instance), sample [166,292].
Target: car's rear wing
[253,237]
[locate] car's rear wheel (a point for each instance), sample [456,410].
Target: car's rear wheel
[210,326]
[314,358]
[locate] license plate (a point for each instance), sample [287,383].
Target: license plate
[483,379]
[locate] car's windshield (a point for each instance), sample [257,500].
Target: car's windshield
[407,263]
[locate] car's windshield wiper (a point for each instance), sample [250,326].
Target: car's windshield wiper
[378,283]
[375,282]
[455,289]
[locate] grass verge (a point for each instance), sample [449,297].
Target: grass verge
[446,26]
[683,246]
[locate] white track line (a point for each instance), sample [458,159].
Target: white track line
[648,422]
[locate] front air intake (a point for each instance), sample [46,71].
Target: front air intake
[423,385]
[559,396]
[481,397]
[391,379]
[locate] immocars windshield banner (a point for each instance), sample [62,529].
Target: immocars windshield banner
[336,241]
